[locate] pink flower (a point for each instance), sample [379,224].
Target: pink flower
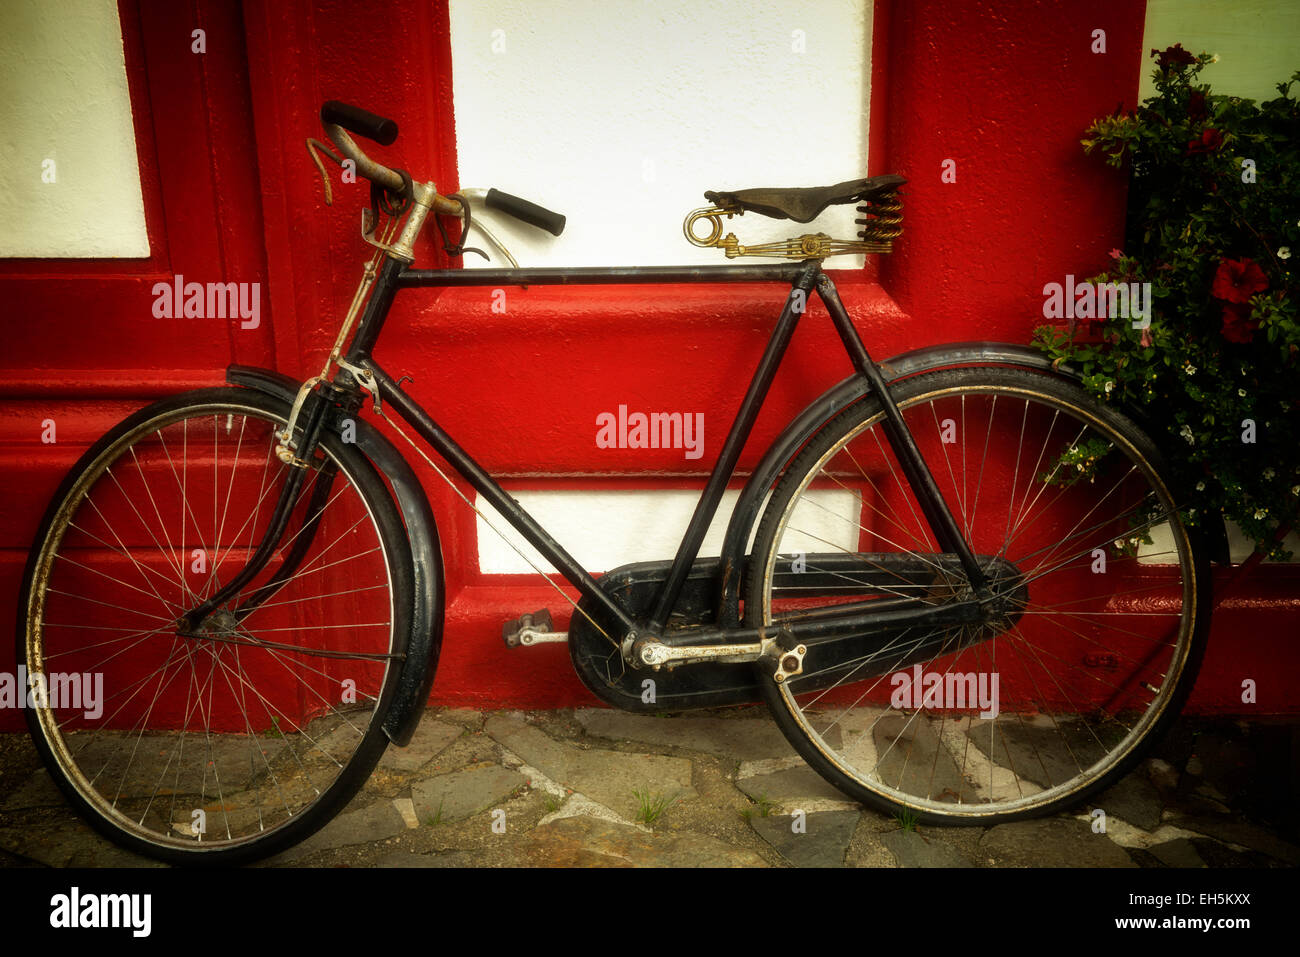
[1116,254]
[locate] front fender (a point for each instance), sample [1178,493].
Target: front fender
[735,543]
[416,676]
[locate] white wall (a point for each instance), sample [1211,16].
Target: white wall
[64,96]
[621,113]
[603,530]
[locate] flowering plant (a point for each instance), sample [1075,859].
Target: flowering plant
[1213,219]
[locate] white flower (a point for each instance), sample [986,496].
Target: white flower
[1200,486]
[1242,393]
[1295,489]
[1284,252]
[1261,512]
[1191,369]
[1186,432]
[1215,58]
[1268,474]
[1109,386]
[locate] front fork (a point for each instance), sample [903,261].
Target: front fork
[302,458]
[324,395]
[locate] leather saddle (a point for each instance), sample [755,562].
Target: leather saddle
[803,205]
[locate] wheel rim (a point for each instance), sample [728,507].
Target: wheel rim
[219,739]
[1088,666]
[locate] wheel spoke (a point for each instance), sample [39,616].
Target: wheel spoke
[246,724]
[1080,660]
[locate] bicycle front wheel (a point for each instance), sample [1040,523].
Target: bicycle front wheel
[1091,632]
[235,739]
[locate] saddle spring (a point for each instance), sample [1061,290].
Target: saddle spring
[882,221]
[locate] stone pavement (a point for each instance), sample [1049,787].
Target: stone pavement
[716,789]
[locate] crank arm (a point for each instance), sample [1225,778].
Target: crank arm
[650,653]
[785,644]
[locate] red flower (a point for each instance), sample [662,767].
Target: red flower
[1173,56]
[1238,280]
[1196,108]
[1211,140]
[1237,324]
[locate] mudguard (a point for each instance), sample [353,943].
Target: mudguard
[416,676]
[748,508]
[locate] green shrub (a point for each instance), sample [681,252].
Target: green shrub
[1214,227]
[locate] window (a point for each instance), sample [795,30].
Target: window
[620,115]
[69,178]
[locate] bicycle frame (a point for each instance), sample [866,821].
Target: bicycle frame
[727,637]
[805,279]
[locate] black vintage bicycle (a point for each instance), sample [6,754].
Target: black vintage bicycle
[962,586]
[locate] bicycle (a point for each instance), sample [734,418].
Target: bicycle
[970,595]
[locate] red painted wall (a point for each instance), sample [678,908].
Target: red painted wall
[1002,88]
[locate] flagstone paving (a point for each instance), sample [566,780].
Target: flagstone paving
[599,788]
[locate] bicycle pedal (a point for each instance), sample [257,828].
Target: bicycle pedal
[533,629]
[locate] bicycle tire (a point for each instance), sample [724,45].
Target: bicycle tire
[296,690]
[1090,631]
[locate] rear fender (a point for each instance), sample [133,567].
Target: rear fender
[416,676]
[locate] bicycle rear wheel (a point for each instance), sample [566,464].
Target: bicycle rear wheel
[1092,639]
[234,740]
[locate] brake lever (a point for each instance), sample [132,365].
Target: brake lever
[458,249]
[479,194]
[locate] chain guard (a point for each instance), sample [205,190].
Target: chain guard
[685,688]
[601,668]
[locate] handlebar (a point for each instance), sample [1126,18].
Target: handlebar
[525,212]
[341,118]
[338,118]
[362,122]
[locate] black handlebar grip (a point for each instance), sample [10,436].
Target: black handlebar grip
[362,122]
[527,212]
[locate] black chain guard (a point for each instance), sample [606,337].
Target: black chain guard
[713,685]
[686,688]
